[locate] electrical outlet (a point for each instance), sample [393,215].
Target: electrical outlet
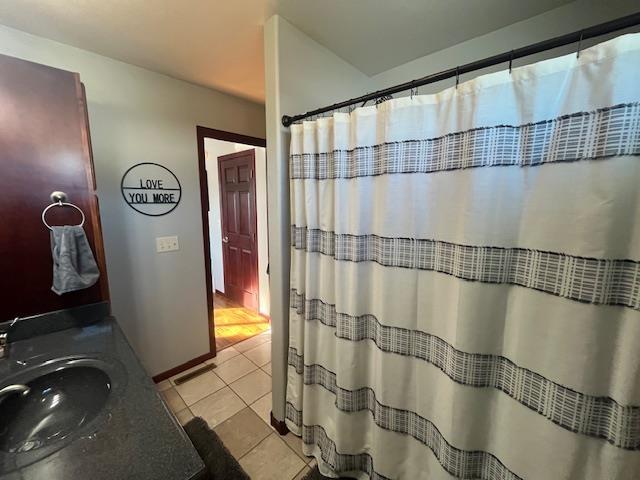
[167,244]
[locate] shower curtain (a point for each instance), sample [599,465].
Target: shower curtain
[465,278]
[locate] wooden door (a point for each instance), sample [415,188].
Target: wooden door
[239,228]
[44,146]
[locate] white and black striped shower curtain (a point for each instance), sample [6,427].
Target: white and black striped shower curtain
[465,280]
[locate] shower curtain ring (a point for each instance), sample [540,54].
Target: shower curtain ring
[457,76]
[510,61]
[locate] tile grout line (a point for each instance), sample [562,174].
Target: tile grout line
[251,338]
[249,373]
[213,359]
[244,375]
[221,379]
[215,391]
[260,398]
[273,432]
[304,460]
[250,360]
[257,346]
[256,446]
[262,419]
[300,471]
[219,390]
[229,384]
[238,394]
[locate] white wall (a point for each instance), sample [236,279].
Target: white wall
[263,231]
[565,19]
[214,149]
[136,116]
[299,74]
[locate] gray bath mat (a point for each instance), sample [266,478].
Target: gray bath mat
[315,474]
[218,461]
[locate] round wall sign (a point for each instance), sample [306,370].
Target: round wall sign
[151,189]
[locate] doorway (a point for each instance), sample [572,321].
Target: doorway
[234,217]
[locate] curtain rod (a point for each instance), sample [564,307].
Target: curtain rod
[578,36]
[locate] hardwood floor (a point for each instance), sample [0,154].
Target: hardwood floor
[234,323]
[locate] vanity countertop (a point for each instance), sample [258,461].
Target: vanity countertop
[136,436]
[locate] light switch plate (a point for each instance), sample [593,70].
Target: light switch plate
[167,244]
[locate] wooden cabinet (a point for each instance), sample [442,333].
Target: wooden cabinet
[44,146]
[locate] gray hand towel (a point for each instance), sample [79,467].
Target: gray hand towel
[74,266]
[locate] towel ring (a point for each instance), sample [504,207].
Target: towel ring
[60,203]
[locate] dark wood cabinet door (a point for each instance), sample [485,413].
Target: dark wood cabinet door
[44,146]
[238,209]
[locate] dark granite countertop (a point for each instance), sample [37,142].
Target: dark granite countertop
[136,437]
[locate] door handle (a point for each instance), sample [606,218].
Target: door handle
[225,239]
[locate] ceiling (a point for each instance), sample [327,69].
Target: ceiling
[218,43]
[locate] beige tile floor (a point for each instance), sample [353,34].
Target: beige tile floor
[235,400]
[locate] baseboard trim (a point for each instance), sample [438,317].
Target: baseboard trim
[279,425]
[181,368]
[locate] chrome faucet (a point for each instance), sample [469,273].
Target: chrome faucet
[4,353]
[4,347]
[23,389]
[4,338]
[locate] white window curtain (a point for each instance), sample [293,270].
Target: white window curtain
[465,279]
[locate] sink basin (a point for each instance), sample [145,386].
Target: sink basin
[69,399]
[58,404]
